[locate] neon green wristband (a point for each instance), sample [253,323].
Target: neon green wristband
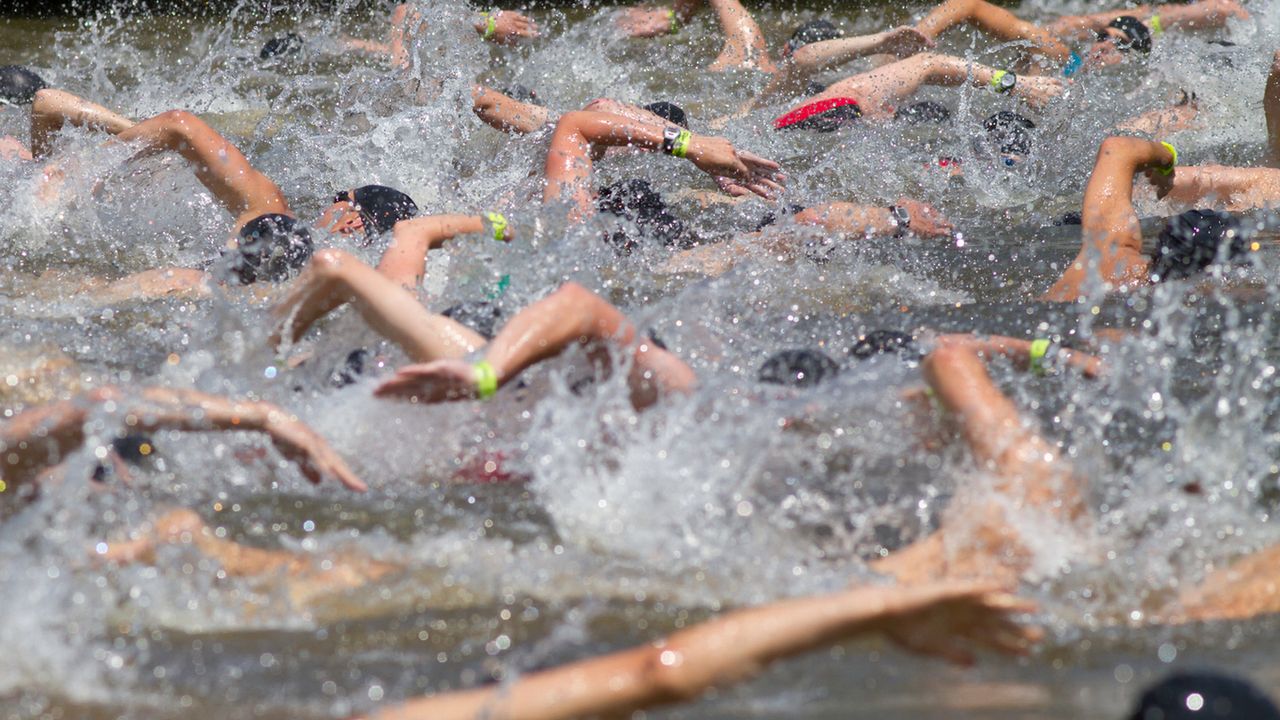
[1154,24]
[673,20]
[1039,347]
[490,25]
[486,379]
[498,222]
[1173,164]
[680,147]
[1003,81]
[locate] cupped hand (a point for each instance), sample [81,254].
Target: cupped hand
[1038,90]
[949,620]
[313,455]
[642,22]
[510,27]
[433,382]
[719,158]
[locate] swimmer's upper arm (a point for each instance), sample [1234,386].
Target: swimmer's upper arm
[404,261]
[1107,215]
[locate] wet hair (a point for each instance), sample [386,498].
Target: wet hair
[380,206]
[798,368]
[271,247]
[670,112]
[1204,696]
[885,342]
[479,315]
[522,93]
[290,44]
[1139,35]
[811,32]
[1009,132]
[770,217]
[18,85]
[1190,242]
[922,112]
[1071,217]
[637,201]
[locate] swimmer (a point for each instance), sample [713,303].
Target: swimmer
[18,86]
[1114,33]
[36,441]
[1112,236]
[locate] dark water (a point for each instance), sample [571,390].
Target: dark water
[631,526]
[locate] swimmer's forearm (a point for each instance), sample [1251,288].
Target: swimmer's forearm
[505,113]
[405,260]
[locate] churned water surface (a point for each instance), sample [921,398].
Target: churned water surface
[630,526]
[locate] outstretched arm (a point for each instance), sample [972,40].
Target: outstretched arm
[744,45]
[813,58]
[1202,15]
[218,164]
[644,22]
[1109,225]
[505,27]
[945,620]
[505,113]
[405,259]
[568,166]
[571,315]
[333,278]
[43,436]
[994,21]
[51,110]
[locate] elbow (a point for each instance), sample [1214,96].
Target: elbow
[665,678]
[575,295]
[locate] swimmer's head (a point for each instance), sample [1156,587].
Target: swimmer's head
[1204,696]
[1122,35]
[1008,135]
[637,201]
[1191,242]
[290,44]
[522,93]
[886,342]
[270,247]
[373,209]
[825,115]
[811,32]
[798,368]
[18,85]
[925,111]
[670,112]
[479,315]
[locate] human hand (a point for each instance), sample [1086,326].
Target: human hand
[509,27]
[313,455]
[1160,180]
[645,22]
[949,619]
[904,41]
[719,158]
[1038,90]
[926,220]
[433,382]
[765,187]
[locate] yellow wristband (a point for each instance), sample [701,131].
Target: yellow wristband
[1154,24]
[673,20]
[486,379]
[1039,347]
[681,145]
[490,25]
[499,223]
[1173,163]
[997,81]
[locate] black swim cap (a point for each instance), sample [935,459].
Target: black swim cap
[271,246]
[479,315]
[638,202]
[18,85]
[1204,696]
[797,368]
[883,342]
[134,447]
[1008,131]
[289,44]
[380,206]
[522,93]
[1190,242]
[923,111]
[670,112]
[811,32]
[771,217]
[1139,35]
[351,369]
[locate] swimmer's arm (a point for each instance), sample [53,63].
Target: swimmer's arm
[216,162]
[568,166]
[509,27]
[367,47]
[994,21]
[405,260]
[1018,351]
[506,113]
[1163,121]
[953,71]
[151,285]
[1271,108]
[1112,235]
[816,57]
[945,620]
[645,22]
[52,109]
[40,437]
[11,148]
[744,45]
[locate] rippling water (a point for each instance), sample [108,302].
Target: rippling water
[630,526]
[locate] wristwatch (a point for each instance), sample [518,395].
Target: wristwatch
[1006,82]
[669,136]
[901,220]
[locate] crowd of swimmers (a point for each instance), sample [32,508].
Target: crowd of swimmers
[468,353]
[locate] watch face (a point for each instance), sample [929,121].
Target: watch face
[1008,81]
[902,216]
